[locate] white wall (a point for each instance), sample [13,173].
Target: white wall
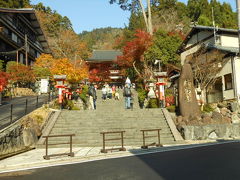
[229,40]
[237,74]
[227,69]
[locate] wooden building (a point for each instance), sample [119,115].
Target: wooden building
[103,67]
[20,30]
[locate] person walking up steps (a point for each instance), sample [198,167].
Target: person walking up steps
[127,94]
[104,93]
[117,97]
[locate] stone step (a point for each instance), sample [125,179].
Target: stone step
[112,123]
[71,130]
[128,132]
[100,142]
[138,144]
[111,115]
[99,137]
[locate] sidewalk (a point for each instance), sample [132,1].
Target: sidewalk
[34,158]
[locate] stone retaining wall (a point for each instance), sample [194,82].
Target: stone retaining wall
[19,136]
[213,131]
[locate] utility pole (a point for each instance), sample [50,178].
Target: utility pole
[238,11]
[214,27]
[26,49]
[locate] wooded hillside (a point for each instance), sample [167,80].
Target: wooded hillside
[101,38]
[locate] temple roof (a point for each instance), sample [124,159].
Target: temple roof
[104,55]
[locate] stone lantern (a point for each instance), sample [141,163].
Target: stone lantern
[151,85]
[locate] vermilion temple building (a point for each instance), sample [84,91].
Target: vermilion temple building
[103,67]
[20,31]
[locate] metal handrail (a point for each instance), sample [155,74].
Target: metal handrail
[122,148]
[144,146]
[47,157]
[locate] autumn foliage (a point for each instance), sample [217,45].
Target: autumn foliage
[75,71]
[21,74]
[133,51]
[3,80]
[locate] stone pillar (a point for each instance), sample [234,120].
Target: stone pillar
[188,104]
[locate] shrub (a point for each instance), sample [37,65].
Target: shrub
[152,103]
[170,99]
[75,108]
[83,95]
[68,104]
[142,94]
[207,108]
[171,108]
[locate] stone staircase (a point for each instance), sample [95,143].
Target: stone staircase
[111,116]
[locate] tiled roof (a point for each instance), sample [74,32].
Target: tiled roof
[210,28]
[104,55]
[198,28]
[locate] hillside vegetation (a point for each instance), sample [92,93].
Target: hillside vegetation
[101,38]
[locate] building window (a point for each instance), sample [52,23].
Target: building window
[14,37]
[228,81]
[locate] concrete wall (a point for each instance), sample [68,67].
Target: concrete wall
[15,138]
[219,131]
[19,136]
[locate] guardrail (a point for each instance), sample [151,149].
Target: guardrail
[47,157]
[122,148]
[18,108]
[144,146]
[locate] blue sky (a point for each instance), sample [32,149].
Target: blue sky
[91,14]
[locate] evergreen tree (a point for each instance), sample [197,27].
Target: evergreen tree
[14,3]
[164,47]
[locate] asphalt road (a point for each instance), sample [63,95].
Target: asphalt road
[19,106]
[217,162]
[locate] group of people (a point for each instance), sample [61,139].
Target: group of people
[110,92]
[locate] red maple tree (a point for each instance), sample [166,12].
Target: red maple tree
[21,74]
[133,51]
[3,80]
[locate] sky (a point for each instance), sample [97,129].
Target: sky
[87,15]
